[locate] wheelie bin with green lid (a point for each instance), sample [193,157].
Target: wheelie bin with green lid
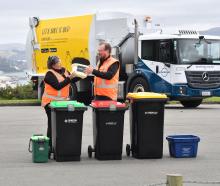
[67,122]
[146,124]
[108,127]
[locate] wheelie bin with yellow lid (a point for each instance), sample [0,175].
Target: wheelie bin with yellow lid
[146,124]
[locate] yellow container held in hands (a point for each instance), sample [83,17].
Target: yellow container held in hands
[78,70]
[146,95]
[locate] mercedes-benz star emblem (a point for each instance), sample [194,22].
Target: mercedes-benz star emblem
[205,76]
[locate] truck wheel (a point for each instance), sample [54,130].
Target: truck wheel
[139,85]
[73,91]
[191,103]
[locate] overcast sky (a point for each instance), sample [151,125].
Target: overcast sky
[190,14]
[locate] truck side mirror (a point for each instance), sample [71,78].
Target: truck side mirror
[167,64]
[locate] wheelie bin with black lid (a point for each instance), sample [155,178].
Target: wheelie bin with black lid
[146,124]
[108,127]
[67,122]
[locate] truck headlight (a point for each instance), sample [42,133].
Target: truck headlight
[182,90]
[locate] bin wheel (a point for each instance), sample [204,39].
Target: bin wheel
[90,150]
[128,150]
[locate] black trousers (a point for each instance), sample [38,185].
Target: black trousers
[102,98]
[49,129]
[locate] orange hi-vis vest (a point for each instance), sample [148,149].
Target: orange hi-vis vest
[104,87]
[51,93]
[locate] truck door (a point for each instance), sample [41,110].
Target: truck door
[158,56]
[164,60]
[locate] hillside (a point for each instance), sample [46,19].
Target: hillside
[212,31]
[12,57]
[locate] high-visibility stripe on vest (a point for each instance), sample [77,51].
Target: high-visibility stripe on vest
[104,87]
[51,93]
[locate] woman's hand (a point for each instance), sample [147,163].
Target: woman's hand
[72,75]
[88,70]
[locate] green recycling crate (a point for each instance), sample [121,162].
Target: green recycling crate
[40,148]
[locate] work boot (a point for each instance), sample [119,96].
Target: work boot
[50,152]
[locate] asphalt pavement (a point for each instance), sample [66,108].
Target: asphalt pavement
[17,124]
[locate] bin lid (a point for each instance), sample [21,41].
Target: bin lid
[146,95]
[64,104]
[107,104]
[41,138]
[183,138]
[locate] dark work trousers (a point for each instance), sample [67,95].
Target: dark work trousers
[49,129]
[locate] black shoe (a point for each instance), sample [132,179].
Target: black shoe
[50,152]
[49,155]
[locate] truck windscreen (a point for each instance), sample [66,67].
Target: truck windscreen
[195,51]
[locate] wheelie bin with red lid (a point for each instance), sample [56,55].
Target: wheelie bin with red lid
[108,127]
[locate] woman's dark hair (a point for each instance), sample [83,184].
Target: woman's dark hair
[52,60]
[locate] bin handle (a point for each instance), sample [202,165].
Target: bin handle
[40,141]
[112,107]
[29,146]
[37,134]
[70,107]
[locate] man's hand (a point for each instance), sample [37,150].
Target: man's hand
[88,70]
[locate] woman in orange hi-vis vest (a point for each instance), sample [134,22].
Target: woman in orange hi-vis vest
[106,74]
[57,83]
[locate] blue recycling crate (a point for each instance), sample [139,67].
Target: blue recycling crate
[183,146]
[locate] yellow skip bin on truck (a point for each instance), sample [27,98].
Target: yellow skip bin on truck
[64,37]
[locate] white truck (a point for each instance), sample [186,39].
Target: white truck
[184,65]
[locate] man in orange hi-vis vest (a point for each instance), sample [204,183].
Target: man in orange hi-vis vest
[57,84]
[106,74]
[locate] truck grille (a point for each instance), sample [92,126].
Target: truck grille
[203,79]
